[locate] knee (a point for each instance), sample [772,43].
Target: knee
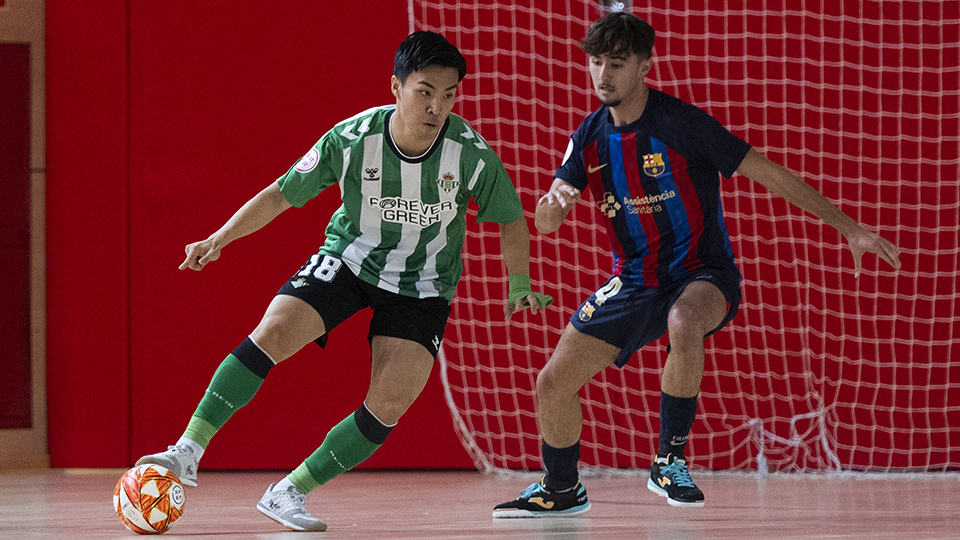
[271,336]
[551,385]
[698,311]
[685,329]
[288,324]
[389,409]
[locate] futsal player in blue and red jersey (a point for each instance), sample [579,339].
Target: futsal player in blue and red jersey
[653,165]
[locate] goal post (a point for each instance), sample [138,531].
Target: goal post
[820,370]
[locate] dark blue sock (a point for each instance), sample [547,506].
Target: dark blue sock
[560,466]
[676,419]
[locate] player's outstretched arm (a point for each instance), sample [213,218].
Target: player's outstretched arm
[784,183]
[515,246]
[553,207]
[251,217]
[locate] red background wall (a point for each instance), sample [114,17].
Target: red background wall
[162,120]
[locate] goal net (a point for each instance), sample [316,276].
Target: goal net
[820,370]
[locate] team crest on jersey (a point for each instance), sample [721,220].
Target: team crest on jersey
[653,165]
[308,162]
[586,312]
[371,174]
[448,182]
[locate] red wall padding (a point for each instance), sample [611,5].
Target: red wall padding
[15,410]
[162,120]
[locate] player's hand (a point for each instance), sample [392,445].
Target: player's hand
[528,301]
[563,194]
[201,253]
[521,296]
[864,241]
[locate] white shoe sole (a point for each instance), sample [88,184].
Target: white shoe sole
[292,526]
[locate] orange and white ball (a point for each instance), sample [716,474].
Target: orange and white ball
[148,499]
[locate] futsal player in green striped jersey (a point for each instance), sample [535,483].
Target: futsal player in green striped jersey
[405,173]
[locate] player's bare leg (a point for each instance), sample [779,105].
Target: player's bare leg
[698,311]
[400,370]
[577,359]
[287,326]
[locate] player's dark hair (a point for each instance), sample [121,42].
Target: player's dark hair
[619,33]
[424,49]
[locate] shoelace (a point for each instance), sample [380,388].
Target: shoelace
[680,475]
[541,488]
[290,500]
[533,488]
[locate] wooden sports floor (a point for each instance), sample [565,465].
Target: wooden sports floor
[77,504]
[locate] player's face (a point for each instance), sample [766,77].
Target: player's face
[618,78]
[425,100]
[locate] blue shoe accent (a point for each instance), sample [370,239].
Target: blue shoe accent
[537,501]
[672,480]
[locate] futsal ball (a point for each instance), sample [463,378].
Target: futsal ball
[148,499]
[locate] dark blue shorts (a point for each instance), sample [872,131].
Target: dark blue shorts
[332,289]
[630,316]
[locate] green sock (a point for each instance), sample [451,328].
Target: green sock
[199,431]
[233,386]
[343,449]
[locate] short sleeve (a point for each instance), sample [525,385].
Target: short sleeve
[571,169]
[315,171]
[495,194]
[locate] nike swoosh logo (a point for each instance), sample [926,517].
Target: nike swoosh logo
[539,500]
[591,169]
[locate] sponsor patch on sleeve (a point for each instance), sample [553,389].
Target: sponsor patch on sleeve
[308,162]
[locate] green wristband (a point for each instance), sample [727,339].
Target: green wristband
[520,289]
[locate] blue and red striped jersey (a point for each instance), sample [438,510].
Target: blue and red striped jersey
[657,182]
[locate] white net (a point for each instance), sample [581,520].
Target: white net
[819,371]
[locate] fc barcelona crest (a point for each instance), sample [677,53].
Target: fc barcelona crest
[586,311]
[448,182]
[653,165]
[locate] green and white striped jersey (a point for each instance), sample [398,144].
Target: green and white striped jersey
[401,225]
